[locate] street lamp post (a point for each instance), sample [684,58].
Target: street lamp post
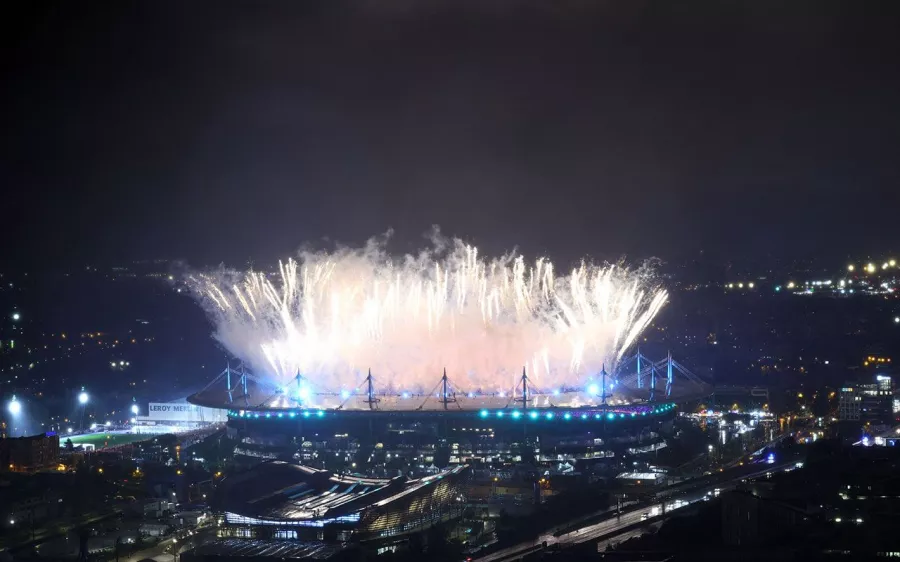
[15,408]
[83,400]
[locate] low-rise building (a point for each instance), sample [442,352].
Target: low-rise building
[29,454]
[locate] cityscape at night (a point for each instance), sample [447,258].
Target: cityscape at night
[450,281]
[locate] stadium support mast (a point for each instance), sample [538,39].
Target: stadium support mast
[603,394]
[371,399]
[524,384]
[447,395]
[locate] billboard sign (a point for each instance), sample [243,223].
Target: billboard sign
[182,412]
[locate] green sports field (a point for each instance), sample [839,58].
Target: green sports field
[100,440]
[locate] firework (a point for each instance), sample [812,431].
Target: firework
[333,316]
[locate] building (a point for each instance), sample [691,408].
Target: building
[29,454]
[287,501]
[867,402]
[749,520]
[177,416]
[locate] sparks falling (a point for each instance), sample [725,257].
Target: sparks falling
[334,316]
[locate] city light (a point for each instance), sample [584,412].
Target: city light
[15,407]
[851,267]
[16,316]
[83,397]
[870,268]
[135,409]
[896,319]
[593,389]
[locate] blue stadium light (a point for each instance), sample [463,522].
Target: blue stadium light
[305,414]
[567,416]
[593,389]
[633,414]
[499,414]
[405,395]
[483,413]
[610,416]
[516,415]
[555,392]
[345,394]
[584,416]
[280,415]
[621,415]
[596,416]
[644,413]
[549,415]
[533,415]
[256,415]
[320,413]
[268,415]
[292,415]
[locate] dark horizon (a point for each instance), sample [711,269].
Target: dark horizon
[746,131]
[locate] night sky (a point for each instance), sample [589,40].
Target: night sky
[237,131]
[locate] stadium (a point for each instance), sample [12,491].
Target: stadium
[376,464]
[375,396]
[609,408]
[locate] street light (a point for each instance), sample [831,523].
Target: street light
[83,400]
[15,407]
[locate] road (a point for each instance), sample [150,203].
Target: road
[616,527]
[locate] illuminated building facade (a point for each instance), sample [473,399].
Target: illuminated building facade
[871,402]
[278,500]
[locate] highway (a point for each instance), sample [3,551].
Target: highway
[616,526]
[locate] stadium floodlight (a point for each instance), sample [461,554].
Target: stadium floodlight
[135,409]
[15,407]
[83,397]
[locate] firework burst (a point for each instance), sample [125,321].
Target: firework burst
[334,316]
